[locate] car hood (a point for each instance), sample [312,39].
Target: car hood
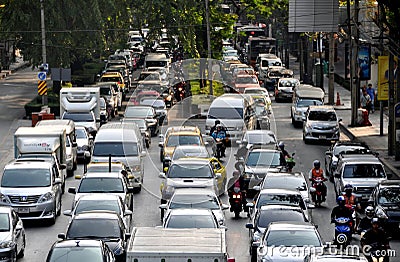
[191,182]
[81,142]
[292,253]
[79,195]
[261,170]
[362,182]
[25,191]
[322,124]
[5,236]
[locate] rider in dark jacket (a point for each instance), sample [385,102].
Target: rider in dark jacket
[376,239]
[340,210]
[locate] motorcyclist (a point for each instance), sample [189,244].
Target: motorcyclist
[340,210]
[284,154]
[365,222]
[351,202]
[213,128]
[220,133]
[237,180]
[376,239]
[317,172]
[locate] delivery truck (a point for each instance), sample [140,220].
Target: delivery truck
[148,244]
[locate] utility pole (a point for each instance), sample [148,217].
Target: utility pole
[352,87]
[209,69]
[331,88]
[44,56]
[391,103]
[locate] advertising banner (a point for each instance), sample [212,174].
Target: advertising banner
[364,62]
[383,83]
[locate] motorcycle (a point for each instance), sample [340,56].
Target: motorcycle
[343,231]
[317,189]
[236,201]
[352,208]
[290,162]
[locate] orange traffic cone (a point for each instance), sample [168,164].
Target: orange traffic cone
[338,103]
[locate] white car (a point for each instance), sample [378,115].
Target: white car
[84,141]
[191,218]
[196,198]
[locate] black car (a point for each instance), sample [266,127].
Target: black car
[341,148]
[385,198]
[264,216]
[100,225]
[80,250]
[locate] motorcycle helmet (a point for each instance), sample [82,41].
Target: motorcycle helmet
[348,187]
[317,164]
[236,173]
[281,145]
[219,127]
[375,220]
[369,212]
[340,200]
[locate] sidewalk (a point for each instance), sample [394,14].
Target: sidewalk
[367,134]
[19,64]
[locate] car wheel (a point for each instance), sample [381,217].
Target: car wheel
[22,251]
[253,254]
[75,164]
[14,255]
[63,188]
[70,173]
[59,207]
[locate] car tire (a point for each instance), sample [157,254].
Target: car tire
[21,253]
[58,210]
[70,173]
[253,254]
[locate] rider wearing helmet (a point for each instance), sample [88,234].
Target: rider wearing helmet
[376,239]
[365,222]
[213,128]
[340,210]
[351,202]
[317,172]
[220,133]
[284,154]
[237,180]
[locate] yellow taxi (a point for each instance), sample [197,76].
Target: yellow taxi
[179,135]
[118,78]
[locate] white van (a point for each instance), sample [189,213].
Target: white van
[122,142]
[236,113]
[264,62]
[71,145]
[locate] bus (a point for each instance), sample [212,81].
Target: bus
[260,45]
[245,32]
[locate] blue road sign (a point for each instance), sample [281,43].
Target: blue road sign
[42,76]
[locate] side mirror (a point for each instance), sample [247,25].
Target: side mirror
[63,166]
[72,190]
[67,213]
[57,180]
[310,206]
[128,212]
[77,176]
[74,144]
[163,206]
[19,226]
[86,154]
[224,207]
[61,236]
[162,175]
[256,188]
[337,175]
[328,153]
[249,225]
[131,190]
[161,144]
[250,205]
[218,175]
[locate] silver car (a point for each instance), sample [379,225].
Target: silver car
[33,189]
[12,235]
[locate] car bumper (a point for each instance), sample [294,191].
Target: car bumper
[312,134]
[35,211]
[7,254]
[282,95]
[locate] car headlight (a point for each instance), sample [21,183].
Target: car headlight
[46,197]
[308,126]
[380,213]
[4,199]
[257,236]
[169,190]
[7,244]
[239,128]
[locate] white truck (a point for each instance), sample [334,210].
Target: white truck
[148,244]
[42,143]
[82,105]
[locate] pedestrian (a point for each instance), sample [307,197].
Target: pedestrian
[371,92]
[365,100]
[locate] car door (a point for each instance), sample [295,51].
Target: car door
[18,233]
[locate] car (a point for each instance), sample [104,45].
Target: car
[241,82]
[281,197]
[147,113]
[100,202]
[363,172]
[104,183]
[321,124]
[261,219]
[284,89]
[259,137]
[144,129]
[256,91]
[385,199]
[257,163]
[190,172]
[190,218]
[12,243]
[174,136]
[340,148]
[334,258]
[263,99]
[211,144]
[104,225]
[84,141]
[33,189]
[291,181]
[85,119]
[186,151]
[196,198]
[303,97]
[80,250]
[116,77]
[289,241]
[262,115]
[140,94]
[108,93]
[159,106]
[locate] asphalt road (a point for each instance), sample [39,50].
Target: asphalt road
[21,87]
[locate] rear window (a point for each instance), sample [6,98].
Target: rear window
[364,170]
[225,113]
[115,149]
[322,116]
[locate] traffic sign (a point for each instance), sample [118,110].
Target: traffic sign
[42,76]
[42,88]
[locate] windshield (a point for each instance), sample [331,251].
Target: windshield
[94,168]
[246,80]
[140,122]
[101,185]
[105,91]
[266,217]
[80,133]
[225,113]
[349,149]
[92,205]
[190,171]
[4,222]
[140,112]
[278,199]
[292,238]
[149,77]
[110,79]
[191,221]
[115,149]
[156,63]
[265,159]
[76,253]
[389,196]
[363,170]
[194,201]
[153,102]
[34,177]
[196,151]
[175,140]
[260,138]
[79,117]
[292,183]
[322,116]
[308,102]
[94,228]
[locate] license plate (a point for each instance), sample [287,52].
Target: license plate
[322,137]
[23,210]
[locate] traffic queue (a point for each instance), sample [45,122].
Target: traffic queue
[265,185]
